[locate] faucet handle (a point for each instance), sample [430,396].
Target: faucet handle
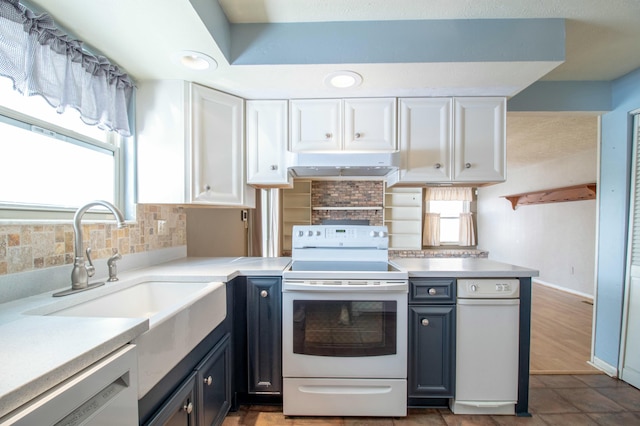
[115,257]
[91,270]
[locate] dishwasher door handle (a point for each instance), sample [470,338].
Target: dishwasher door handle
[488,302]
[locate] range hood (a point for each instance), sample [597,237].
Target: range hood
[341,164]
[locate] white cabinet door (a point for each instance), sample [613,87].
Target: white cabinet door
[267,136]
[479,140]
[162,129]
[425,139]
[217,149]
[316,125]
[370,125]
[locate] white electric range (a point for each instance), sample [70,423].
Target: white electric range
[344,324]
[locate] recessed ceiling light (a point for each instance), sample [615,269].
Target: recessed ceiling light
[343,79]
[195,60]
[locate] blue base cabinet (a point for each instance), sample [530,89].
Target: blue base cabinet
[179,410]
[213,384]
[432,325]
[264,335]
[204,398]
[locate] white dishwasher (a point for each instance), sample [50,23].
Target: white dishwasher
[487,338]
[103,394]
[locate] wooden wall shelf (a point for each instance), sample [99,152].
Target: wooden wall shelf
[585,191]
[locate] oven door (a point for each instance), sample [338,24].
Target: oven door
[344,334]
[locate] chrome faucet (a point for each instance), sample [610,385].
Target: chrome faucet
[81,271]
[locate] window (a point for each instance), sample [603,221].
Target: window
[449,218]
[50,161]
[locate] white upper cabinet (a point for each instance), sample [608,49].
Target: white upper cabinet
[370,125]
[190,145]
[425,139]
[218,154]
[354,125]
[480,139]
[267,137]
[316,125]
[459,140]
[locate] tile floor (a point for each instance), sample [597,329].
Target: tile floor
[563,400]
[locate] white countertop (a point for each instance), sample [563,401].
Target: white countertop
[461,268]
[38,352]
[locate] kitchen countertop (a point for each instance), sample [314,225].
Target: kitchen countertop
[39,352]
[461,268]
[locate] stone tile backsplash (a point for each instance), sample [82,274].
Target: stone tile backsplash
[28,247]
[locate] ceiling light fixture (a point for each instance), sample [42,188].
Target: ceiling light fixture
[343,79]
[193,60]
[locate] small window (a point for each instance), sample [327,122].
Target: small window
[449,218]
[52,162]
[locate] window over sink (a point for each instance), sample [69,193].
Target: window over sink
[53,162]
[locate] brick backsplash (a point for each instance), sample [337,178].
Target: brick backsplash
[27,247]
[346,194]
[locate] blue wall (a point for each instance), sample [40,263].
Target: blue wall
[615,171]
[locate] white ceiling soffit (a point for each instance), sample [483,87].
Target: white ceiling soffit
[395,58]
[141,36]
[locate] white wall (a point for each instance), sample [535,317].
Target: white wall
[558,239]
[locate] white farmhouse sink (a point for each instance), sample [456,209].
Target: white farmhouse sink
[149,299]
[180,314]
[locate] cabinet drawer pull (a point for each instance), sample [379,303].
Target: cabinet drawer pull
[208,381]
[432,291]
[424,322]
[207,187]
[264,293]
[188,408]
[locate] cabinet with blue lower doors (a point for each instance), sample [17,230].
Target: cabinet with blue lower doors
[432,324]
[258,345]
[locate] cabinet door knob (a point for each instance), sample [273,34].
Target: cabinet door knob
[432,291]
[358,135]
[207,187]
[264,293]
[329,135]
[274,167]
[424,322]
[467,165]
[188,408]
[208,381]
[438,165]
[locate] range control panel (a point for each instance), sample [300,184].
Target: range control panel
[488,288]
[337,236]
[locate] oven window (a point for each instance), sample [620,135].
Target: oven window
[344,328]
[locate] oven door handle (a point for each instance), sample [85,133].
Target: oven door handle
[399,286]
